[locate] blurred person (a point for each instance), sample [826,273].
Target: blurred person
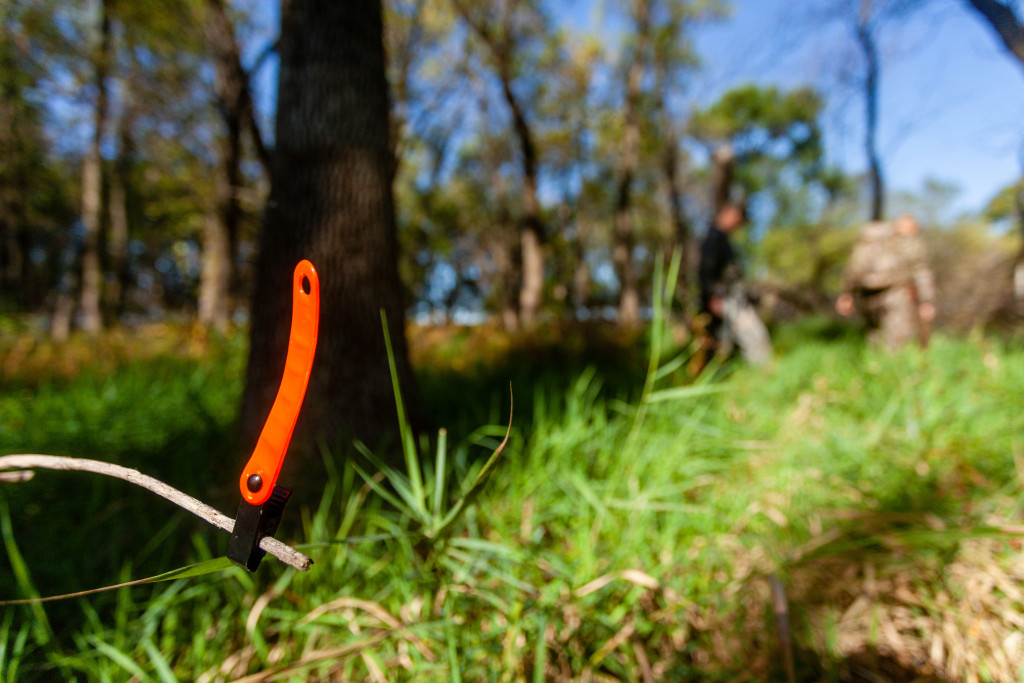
[889,280]
[727,315]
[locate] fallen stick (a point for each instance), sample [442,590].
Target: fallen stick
[281,551]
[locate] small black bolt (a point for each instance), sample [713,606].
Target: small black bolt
[254,482]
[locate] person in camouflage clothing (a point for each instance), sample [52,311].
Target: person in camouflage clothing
[888,279]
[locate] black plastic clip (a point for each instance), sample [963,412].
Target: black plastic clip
[252,523]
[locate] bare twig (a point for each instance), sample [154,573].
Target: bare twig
[283,552]
[780,605]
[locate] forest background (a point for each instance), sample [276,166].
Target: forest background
[143,156]
[547,160]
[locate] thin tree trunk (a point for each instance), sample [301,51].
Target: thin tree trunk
[92,187]
[220,233]
[331,202]
[118,245]
[507,282]
[531,229]
[679,235]
[622,252]
[15,240]
[506,263]
[118,210]
[215,274]
[231,80]
[871,85]
[220,227]
[581,271]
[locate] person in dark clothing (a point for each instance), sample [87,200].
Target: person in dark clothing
[729,318]
[719,268]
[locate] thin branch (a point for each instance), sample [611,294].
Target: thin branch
[283,552]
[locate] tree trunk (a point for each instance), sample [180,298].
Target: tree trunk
[15,240]
[622,252]
[21,157]
[507,282]
[507,266]
[531,228]
[331,202]
[220,226]
[581,287]
[231,80]
[531,232]
[118,210]
[220,233]
[92,188]
[678,232]
[215,275]
[870,50]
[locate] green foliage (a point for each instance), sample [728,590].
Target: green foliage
[764,122]
[170,416]
[611,532]
[807,256]
[1006,204]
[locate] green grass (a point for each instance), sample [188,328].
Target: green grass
[626,527]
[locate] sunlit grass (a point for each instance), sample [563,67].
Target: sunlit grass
[613,538]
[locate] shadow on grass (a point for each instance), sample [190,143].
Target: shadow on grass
[464,374]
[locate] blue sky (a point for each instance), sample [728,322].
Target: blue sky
[952,100]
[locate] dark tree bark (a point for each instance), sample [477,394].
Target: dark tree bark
[331,202]
[16,151]
[866,40]
[1005,23]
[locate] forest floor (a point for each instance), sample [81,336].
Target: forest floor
[844,514]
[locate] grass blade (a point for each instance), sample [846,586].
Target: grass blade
[41,630]
[163,668]
[439,471]
[478,482]
[119,658]
[217,564]
[408,444]
[540,652]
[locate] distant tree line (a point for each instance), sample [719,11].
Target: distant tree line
[537,173]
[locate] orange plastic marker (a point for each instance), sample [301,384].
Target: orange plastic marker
[260,474]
